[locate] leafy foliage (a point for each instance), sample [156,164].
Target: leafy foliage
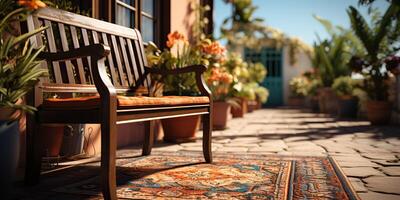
[257,72]
[298,86]
[331,56]
[19,67]
[380,40]
[262,94]
[344,86]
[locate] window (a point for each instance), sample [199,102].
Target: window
[139,14]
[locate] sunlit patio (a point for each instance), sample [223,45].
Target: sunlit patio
[368,155]
[199,99]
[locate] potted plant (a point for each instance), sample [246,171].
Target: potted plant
[219,82]
[241,89]
[257,74]
[348,103]
[379,43]
[330,60]
[19,72]
[262,94]
[298,91]
[178,54]
[313,89]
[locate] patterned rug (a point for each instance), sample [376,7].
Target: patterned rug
[231,176]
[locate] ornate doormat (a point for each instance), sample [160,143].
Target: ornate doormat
[231,176]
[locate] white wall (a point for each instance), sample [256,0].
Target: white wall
[302,65]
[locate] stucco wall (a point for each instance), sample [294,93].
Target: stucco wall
[303,64]
[182,16]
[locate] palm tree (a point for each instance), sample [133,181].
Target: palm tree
[379,40]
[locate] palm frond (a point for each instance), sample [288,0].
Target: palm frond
[362,30]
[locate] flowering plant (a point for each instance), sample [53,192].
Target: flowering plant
[299,86]
[219,82]
[179,54]
[19,68]
[212,53]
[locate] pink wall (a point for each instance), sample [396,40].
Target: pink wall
[182,16]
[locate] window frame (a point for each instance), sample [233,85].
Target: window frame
[107,12]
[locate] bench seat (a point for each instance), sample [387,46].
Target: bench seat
[91,102]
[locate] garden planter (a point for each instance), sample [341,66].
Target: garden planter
[328,101]
[348,106]
[379,112]
[7,114]
[221,114]
[251,106]
[296,101]
[259,105]
[180,129]
[314,104]
[9,151]
[239,111]
[52,137]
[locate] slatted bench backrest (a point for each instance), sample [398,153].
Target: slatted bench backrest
[66,31]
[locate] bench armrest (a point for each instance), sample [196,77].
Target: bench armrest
[187,69]
[198,69]
[95,50]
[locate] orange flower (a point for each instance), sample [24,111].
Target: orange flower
[215,48]
[32,4]
[220,76]
[174,37]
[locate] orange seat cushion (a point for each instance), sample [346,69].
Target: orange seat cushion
[123,101]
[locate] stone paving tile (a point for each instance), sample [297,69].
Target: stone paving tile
[266,149]
[391,171]
[387,162]
[369,155]
[238,144]
[379,156]
[296,138]
[362,172]
[358,185]
[378,196]
[357,164]
[383,184]
[274,143]
[232,149]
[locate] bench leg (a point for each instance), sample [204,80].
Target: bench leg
[108,156]
[148,137]
[33,153]
[207,130]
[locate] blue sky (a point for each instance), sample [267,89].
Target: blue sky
[294,17]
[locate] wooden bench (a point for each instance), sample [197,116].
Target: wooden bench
[85,55]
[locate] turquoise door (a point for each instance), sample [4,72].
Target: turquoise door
[271,58]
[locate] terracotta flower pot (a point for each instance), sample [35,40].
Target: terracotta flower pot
[221,114]
[379,112]
[314,104]
[241,110]
[7,114]
[259,105]
[328,102]
[180,129]
[297,102]
[52,138]
[251,106]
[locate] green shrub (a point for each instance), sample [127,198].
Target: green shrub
[298,86]
[344,86]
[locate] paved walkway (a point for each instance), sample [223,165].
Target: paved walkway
[369,156]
